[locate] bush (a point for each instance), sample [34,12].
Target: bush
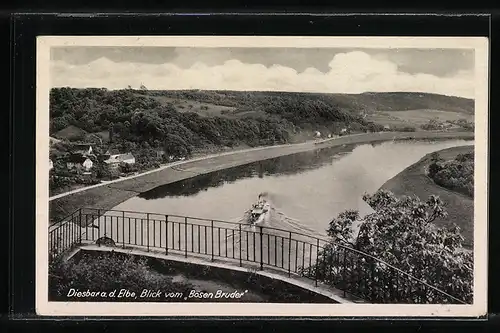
[405,129]
[106,272]
[432,125]
[456,175]
[400,233]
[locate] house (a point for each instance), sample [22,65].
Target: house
[387,127]
[87,164]
[83,149]
[112,151]
[114,160]
[77,161]
[51,164]
[343,131]
[317,134]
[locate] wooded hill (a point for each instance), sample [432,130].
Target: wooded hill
[183,120]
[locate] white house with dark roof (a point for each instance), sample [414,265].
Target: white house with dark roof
[115,159]
[82,149]
[77,161]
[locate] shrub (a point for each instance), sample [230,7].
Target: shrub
[400,233]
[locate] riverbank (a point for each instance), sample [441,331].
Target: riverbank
[414,180]
[110,194]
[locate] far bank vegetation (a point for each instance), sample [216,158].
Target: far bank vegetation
[455,174]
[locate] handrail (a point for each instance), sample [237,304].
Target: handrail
[163,230]
[64,219]
[395,268]
[103,210]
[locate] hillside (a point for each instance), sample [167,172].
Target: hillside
[192,120]
[365,102]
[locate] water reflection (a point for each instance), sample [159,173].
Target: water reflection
[309,188]
[286,165]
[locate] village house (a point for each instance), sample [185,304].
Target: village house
[51,164]
[343,131]
[387,127]
[77,161]
[84,149]
[80,157]
[317,134]
[114,160]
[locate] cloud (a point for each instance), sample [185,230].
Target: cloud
[350,72]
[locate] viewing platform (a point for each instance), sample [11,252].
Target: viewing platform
[347,276]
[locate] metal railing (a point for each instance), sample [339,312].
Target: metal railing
[354,272]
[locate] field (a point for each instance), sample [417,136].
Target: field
[415,117]
[393,109]
[414,181]
[200,108]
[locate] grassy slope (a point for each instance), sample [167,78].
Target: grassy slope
[393,109]
[413,180]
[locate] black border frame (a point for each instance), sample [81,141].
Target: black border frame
[25,27]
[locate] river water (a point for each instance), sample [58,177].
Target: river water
[308,189]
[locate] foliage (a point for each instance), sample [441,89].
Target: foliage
[175,146]
[456,175]
[128,168]
[432,125]
[106,272]
[140,124]
[404,129]
[464,124]
[365,102]
[401,233]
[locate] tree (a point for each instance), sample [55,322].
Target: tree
[401,233]
[174,145]
[456,175]
[102,170]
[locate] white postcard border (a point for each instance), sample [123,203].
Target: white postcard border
[479,306]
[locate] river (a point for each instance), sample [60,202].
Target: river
[309,189]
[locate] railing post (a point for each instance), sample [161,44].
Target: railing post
[240,243]
[80,225]
[289,252]
[185,237]
[261,250]
[166,234]
[99,224]
[147,229]
[123,228]
[212,239]
[317,263]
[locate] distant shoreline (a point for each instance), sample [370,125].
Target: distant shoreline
[110,194]
[414,180]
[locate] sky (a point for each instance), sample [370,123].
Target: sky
[328,70]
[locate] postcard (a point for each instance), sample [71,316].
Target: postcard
[262,176]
